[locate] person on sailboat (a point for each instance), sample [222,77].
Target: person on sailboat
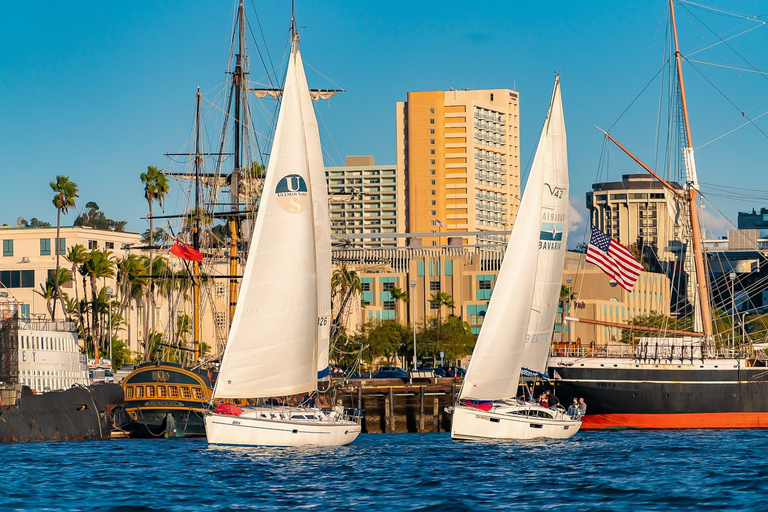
[582,407]
[573,410]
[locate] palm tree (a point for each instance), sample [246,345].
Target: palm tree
[64,199]
[48,290]
[131,285]
[440,299]
[344,284]
[155,189]
[398,294]
[77,255]
[100,265]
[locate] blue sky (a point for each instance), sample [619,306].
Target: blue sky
[98,91]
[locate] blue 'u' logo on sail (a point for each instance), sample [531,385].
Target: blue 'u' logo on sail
[551,231]
[291,183]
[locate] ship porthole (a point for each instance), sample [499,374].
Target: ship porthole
[634,394]
[667,395]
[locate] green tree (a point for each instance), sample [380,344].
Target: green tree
[77,255]
[131,286]
[49,293]
[100,265]
[95,218]
[453,337]
[155,189]
[65,192]
[344,284]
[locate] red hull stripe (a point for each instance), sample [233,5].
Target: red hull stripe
[675,421]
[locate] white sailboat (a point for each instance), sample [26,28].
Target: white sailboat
[272,350]
[521,313]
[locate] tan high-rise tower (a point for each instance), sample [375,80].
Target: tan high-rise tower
[458,156]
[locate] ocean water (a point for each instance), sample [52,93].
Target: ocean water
[593,471]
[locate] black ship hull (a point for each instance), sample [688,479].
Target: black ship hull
[620,393]
[76,414]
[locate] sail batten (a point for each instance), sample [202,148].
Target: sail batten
[524,297]
[272,346]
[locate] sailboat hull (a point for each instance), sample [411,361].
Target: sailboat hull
[509,422]
[261,426]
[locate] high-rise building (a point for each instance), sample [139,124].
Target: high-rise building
[363,201]
[459,154]
[637,209]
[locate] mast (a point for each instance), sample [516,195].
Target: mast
[691,191]
[239,91]
[196,235]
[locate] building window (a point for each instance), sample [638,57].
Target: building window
[366,287]
[432,172]
[7,247]
[62,245]
[431,131]
[434,286]
[92,244]
[431,151]
[431,141]
[484,284]
[109,245]
[432,192]
[431,121]
[431,182]
[431,110]
[433,202]
[17,278]
[491,96]
[387,286]
[45,247]
[434,305]
[389,305]
[433,212]
[432,162]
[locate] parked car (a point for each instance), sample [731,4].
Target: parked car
[454,371]
[390,372]
[439,372]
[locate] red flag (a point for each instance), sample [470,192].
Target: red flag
[186,252]
[613,258]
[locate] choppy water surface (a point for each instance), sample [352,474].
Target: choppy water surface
[631,470]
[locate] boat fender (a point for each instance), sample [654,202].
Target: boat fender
[229,409]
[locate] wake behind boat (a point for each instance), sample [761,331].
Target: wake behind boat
[278,338]
[518,325]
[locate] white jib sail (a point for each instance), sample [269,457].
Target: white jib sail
[494,370]
[552,239]
[322,228]
[272,346]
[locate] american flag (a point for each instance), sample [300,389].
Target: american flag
[613,258]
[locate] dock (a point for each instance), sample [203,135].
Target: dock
[401,405]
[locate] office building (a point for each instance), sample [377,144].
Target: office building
[459,154]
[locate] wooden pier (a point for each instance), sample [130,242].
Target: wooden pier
[401,405]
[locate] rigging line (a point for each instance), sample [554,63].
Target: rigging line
[322,75]
[723,66]
[731,131]
[258,50]
[717,11]
[638,95]
[734,188]
[266,46]
[743,114]
[725,42]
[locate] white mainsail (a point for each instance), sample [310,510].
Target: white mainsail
[552,241]
[322,228]
[272,346]
[494,370]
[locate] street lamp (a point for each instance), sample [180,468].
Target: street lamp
[413,314]
[733,308]
[109,337]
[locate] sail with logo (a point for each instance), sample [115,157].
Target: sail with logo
[521,312]
[272,350]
